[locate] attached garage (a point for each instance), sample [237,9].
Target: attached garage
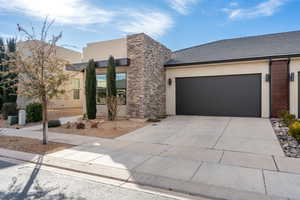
[237,89]
[230,95]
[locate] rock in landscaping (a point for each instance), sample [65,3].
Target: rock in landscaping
[12,120]
[290,145]
[80,125]
[68,125]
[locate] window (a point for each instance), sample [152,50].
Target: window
[121,88]
[76,89]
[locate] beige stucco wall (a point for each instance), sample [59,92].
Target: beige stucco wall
[63,101]
[102,50]
[215,70]
[66,100]
[294,68]
[102,109]
[67,54]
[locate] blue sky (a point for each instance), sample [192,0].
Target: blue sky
[176,23]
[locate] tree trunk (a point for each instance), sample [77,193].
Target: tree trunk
[45,120]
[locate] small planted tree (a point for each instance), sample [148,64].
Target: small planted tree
[40,70]
[90,90]
[111,93]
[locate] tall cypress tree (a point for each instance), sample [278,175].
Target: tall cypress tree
[90,90]
[111,93]
[2,57]
[10,91]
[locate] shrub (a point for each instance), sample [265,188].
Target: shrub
[9,109]
[282,114]
[294,130]
[288,119]
[53,123]
[34,112]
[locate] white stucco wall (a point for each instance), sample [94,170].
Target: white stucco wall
[294,68]
[102,50]
[215,70]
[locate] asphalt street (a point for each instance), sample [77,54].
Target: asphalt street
[31,182]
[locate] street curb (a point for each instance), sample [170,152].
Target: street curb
[143,179]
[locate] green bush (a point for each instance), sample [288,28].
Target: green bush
[283,113]
[287,118]
[53,123]
[9,109]
[294,130]
[34,112]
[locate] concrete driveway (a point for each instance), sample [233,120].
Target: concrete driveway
[249,135]
[181,151]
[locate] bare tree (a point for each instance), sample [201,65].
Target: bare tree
[40,70]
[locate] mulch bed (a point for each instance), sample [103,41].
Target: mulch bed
[31,145]
[105,128]
[290,145]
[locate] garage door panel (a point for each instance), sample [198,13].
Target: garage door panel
[236,95]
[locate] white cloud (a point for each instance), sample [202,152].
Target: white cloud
[181,6]
[63,11]
[233,4]
[81,14]
[153,23]
[266,8]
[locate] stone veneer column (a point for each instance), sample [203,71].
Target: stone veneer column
[146,85]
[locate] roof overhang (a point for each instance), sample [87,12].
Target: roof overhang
[234,60]
[120,62]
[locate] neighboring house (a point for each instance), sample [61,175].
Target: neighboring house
[74,87]
[250,77]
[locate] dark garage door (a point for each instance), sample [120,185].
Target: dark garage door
[234,95]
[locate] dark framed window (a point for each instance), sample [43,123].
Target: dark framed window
[121,88]
[76,89]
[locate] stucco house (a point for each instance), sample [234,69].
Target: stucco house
[251,77]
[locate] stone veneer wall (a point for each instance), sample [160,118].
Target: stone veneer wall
[146,85]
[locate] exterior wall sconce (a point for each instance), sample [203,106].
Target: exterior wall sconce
[292,76]
[170,81]
[268,78]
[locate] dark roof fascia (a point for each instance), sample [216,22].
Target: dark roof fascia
[120,62]
[234,60]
